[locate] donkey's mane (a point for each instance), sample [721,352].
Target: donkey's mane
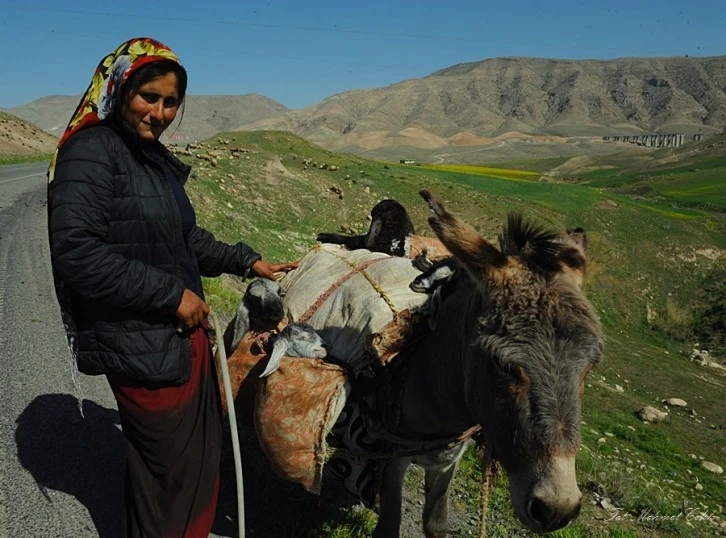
[535,246]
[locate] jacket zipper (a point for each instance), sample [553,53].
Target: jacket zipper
[185,363]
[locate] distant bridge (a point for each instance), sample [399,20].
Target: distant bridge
[672,140]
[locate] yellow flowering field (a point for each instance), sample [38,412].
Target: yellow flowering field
[501,173]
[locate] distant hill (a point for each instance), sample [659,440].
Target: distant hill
[468,103]
[50,113]
[204,115]
[496,109]
[21,138]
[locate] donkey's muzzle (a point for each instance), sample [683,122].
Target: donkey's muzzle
[550,516]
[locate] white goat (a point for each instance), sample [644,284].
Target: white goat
[295,340]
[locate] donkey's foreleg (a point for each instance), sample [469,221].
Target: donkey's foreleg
[389,511]
[436,506]
[440,468]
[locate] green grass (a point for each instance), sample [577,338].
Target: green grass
[650,252]
[17,159]
[695,180]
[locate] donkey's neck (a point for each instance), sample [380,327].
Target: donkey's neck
[433,395]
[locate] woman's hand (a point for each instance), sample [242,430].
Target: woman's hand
[267,270]
[192,309]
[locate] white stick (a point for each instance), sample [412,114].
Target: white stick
[221,357]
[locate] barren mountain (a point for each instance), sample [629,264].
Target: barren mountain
[21,138]
[203,115]
[497,109]
[469,103]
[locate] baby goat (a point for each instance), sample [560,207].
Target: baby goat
[259,309]
[295,340]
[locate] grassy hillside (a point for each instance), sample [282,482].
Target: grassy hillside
[657,263]
[691,176]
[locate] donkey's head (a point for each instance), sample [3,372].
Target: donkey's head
[536,339]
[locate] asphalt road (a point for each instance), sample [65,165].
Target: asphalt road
[61,474]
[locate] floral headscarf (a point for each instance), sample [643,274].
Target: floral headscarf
[102,94]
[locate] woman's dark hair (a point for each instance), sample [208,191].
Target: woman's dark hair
[153,70]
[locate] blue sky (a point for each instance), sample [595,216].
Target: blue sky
[299,53]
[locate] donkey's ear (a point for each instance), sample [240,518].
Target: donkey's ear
[469,247]
[577,236]
[573,254]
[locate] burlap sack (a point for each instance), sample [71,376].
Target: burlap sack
[295,408]
[292,410]
[245,365]
[356,299]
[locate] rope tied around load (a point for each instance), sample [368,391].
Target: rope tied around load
[356,269]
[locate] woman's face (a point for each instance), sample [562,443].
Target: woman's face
[153,107]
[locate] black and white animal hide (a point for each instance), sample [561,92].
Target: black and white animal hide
[389,229]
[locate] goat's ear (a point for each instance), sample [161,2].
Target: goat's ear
[478,255]
[274,361]
[573,255]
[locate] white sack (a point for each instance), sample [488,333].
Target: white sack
[355,309]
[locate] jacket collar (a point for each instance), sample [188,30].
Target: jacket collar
[133,141]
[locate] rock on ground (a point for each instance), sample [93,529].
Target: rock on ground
[651,414]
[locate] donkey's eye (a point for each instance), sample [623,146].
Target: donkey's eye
[513,380]
[514,372]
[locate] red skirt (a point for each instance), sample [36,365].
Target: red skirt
[173,448]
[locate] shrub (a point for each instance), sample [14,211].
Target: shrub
[674,320]
[710,312]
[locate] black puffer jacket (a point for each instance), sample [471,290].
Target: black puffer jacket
[115,235]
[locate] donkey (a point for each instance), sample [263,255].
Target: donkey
[514,340]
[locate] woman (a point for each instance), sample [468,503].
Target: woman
[127,258]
